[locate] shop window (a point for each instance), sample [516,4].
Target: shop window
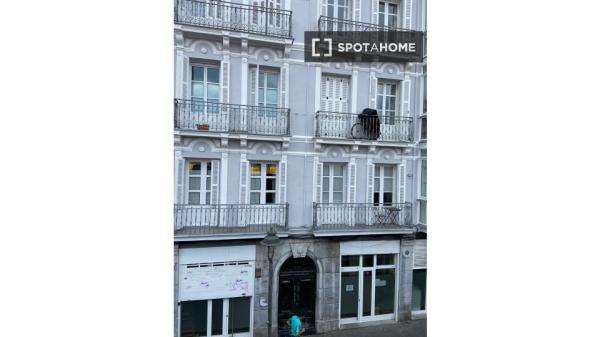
[419,289]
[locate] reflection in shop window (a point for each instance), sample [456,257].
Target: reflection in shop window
[194,318]
[239,315]
[418,289]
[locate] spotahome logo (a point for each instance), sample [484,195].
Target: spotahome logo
[372,46]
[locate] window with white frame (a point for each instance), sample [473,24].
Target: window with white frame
[205,88]
[422,197]
[368,287]
[199,182]
[387,13]
[387,100]
[383,191]
[263,183]
[419,285]
[333,183]
[337,9]
[216,317]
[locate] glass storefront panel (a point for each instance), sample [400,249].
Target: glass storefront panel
[366,298]
[419,289]
[194,318]
[239,315]
[384,291]
[217,317]
[349,295]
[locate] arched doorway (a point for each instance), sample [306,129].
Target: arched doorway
[297,293]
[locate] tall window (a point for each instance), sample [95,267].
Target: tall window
[422,197]
[368,287]
[384,185]
[268,92]
[423,118]
[338,9]
[387,102]
[199,184]
[205,88]
[334,93]
[419,286]
[263,183]
[333,183]
[387,12]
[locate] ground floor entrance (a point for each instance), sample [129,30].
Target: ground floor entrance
[297,293]
[216,318]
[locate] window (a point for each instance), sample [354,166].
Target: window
[199,182]
[239,315]
[419,289]
[425,89]
[268,92]
[334,93]
[263,183]
[205,89]
[195,316]
[338,9]
[387,14]
[423,127]
[368,287]
[333,183]
[383,194]
[387,93]
[422,197]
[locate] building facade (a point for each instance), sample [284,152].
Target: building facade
[264,141]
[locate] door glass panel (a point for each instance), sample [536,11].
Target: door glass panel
[239,314]
[194,318]
[349,300]
[350,260]
[418,289]
[366,298]
[367,261]
[384,291]
[217,317]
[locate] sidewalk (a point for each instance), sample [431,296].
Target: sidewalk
[416,328]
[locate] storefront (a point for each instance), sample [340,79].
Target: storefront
[216,288]
[368,281]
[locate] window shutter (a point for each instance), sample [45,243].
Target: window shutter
[407,22]
[324,93]
[282,180]
[318,181]
[179,162]
[343,95]
[214,180]
[357,10]
[283,86]
[401,182]
[323,7]
[252,83]
[352,182]
[370,180]
[225,82]
[406,97]
[374,12]
[420,254]
[373,93]
[243,180]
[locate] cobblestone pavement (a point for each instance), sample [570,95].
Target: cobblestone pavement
[416,328]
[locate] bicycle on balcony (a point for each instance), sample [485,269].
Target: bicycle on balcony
[367,126]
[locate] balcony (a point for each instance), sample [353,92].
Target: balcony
[362,217]
[235,17]
[208,116]
[338,125]
[199,220]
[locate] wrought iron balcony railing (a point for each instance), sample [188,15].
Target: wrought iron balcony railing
[330,24]
[352,126]
[235,17]
[235,118]
[361,216]
[229,218]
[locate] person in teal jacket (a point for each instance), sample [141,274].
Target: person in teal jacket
[295,324]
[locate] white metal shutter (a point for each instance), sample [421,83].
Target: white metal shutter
[420,254]
[405,98]
[401,182]
[214,181]
[325,93]
[282,180]
[225,82]
[407,22]
[334,93]
[352,182]
[343,95]
[324,7]
[180,170]
[252,85]
[357,7]
[244,180]
[370,180]
[373,92]
[374,11]
[318,181]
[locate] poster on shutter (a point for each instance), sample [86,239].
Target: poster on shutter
[208,282]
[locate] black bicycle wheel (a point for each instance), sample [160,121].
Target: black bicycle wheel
[357,131]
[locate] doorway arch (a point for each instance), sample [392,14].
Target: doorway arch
[297,293]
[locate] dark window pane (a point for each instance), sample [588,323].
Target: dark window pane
[212,75]
[424,128]
[239,314]
[349,294]
[388,197]
[367,261]
[197,74]
[423,211]
[270,184]
[217,317]
[385,259]
[384,291]
[270,198]
[194,318]
[419,289]
[350,260]
[367,280]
